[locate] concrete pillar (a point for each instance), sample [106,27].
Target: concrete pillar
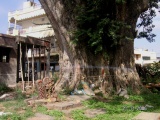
[15,24]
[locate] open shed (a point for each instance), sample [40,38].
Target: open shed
[15,65]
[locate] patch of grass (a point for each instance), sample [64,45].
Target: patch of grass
[79,115]
[41,109]
[119,108]
[15,116]
[11,117]
[28,113]
[8,104]
[15,106]
[55,113]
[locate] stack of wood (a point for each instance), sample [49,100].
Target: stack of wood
[46,89]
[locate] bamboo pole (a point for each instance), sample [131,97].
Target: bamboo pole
[21,66]
[33,66]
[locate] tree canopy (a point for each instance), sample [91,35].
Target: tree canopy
[99,26]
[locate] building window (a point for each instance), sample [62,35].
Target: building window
[4,59]
[146,58]
[4,54]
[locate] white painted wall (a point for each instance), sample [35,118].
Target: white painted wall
[29,23]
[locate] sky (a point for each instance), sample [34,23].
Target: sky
[11,5]
[8,6]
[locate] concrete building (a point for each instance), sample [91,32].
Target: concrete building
[32,21]
[143,57]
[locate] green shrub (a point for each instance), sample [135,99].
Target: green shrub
[4,88]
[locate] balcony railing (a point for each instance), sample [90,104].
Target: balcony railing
[10,30]
[34,29]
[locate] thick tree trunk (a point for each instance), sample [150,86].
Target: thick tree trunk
[122,65]
[76,61]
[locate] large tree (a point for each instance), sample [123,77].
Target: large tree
[96,37]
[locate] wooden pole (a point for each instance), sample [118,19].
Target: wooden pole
[40,61]
[18,58]
[44,59]
[33,66]
[21,66]
[27,63]
[23,60]
[47,62]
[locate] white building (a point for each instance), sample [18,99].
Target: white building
[144,56]
[29,21]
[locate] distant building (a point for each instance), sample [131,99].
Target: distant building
[144,56]
[32,21]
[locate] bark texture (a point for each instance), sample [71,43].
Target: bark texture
[77,61]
